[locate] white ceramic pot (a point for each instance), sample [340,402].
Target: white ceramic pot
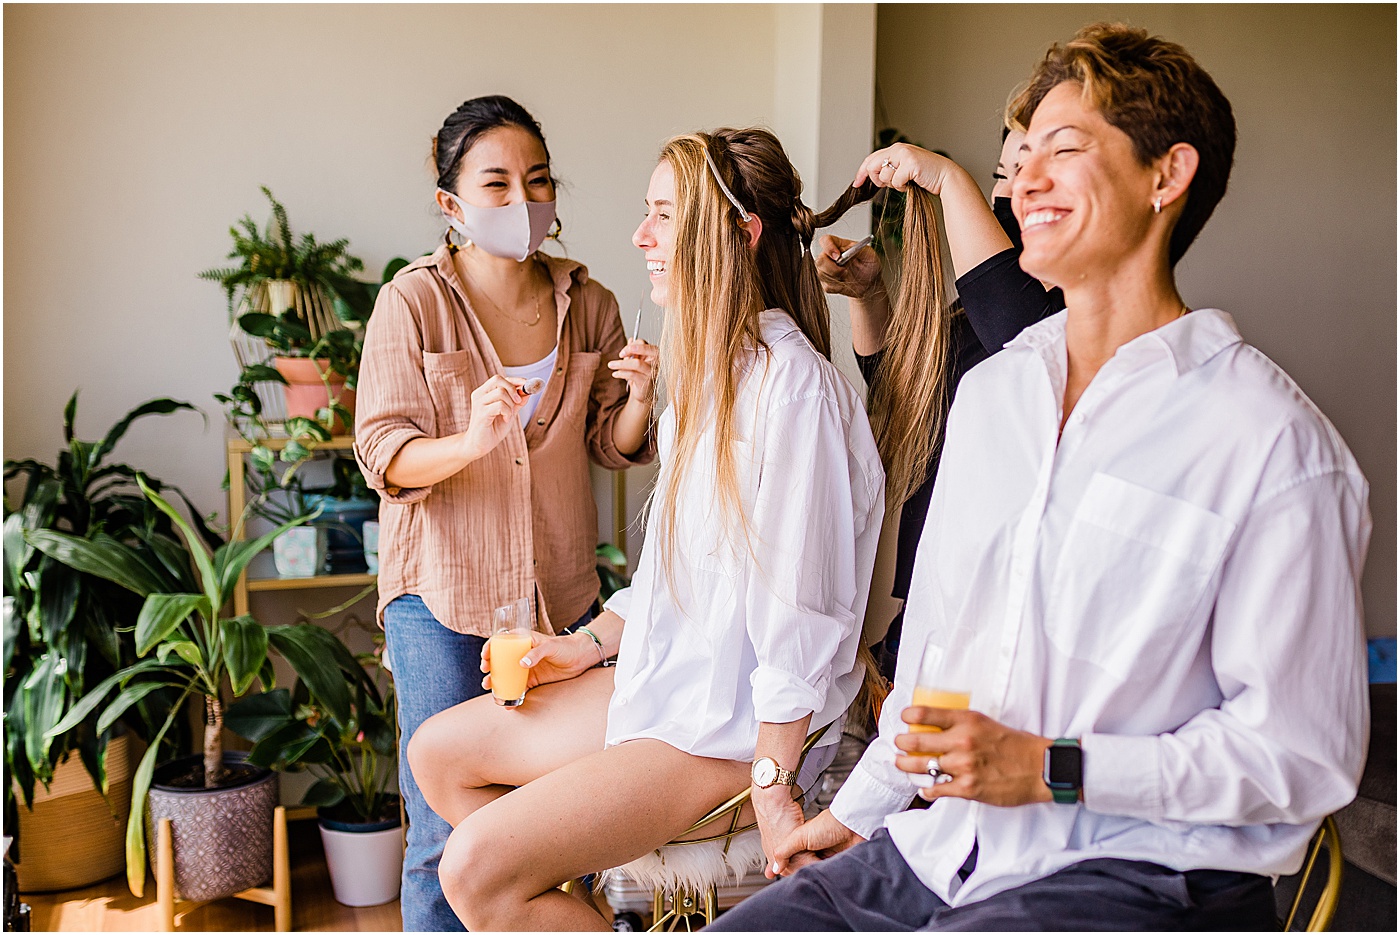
[365,866]
[300,552]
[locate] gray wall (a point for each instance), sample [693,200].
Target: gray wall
[1302,249]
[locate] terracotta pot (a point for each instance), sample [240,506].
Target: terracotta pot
[72,838]
[306,393]
[222,837]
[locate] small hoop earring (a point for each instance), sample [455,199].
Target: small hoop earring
[1157,205]
[555,230]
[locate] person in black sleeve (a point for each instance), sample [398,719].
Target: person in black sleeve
[996,301]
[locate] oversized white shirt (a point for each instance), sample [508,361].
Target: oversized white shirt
[737,639]
[1176,582]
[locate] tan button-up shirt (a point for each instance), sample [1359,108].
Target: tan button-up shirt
[521,521]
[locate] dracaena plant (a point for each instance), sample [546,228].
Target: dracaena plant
[66,630]
[185,643]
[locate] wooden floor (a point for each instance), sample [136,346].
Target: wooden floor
[110,907]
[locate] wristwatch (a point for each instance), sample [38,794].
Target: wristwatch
[766,772]
[1064,770]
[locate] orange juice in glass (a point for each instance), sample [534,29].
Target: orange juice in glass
[933,689]
[510,640]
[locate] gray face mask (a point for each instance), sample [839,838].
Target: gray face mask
[510,231]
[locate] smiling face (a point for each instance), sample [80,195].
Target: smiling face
[505,166]
[1006,165]
[656,235]
[1083,199]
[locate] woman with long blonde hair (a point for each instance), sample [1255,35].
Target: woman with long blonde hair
[741,632]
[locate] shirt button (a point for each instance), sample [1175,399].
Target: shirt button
[519,460]
[560,370]
[539,422]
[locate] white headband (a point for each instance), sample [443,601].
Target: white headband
[744,215]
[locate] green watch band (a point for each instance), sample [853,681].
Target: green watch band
[1064,770]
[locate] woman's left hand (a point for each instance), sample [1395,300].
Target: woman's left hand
[779,815]
[637,364]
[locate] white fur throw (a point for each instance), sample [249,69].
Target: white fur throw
[695,866]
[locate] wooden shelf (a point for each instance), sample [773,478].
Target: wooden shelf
[278,441]
[357,580]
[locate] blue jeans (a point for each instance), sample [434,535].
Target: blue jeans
[434,669]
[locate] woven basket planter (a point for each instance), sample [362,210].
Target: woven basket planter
[72,838]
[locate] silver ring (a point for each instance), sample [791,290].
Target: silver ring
[889,164]
[932,769]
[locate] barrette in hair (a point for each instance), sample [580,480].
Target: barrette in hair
[714,170]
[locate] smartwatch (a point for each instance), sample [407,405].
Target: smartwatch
[1064,770]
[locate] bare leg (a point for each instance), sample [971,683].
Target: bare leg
[503,862]
[477,751]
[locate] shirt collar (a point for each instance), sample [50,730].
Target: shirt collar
[562,270]
[1188,341]
[774,324]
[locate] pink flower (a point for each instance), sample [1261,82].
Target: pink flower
[360,737]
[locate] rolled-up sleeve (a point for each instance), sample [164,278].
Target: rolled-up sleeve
[800,597]
[1288,742]
[392,404]
[608,395]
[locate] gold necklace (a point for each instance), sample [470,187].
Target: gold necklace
[500,311]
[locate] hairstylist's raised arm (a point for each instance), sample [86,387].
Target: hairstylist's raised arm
[973,231]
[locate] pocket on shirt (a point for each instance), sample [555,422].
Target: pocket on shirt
[578,387]
[450,380]
[1135,566]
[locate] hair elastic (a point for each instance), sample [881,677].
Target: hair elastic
[744,215]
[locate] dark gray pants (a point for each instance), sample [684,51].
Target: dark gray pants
[870,888]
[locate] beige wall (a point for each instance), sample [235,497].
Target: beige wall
[1301,251]
[135,135]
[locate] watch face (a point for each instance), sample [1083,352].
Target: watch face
[1066,768]
[765,772]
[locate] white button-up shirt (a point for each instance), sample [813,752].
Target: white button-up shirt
[1175,582]
[736,638]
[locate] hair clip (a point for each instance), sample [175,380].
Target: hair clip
[744,215]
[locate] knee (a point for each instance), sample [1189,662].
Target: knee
[429,752]
[475,879]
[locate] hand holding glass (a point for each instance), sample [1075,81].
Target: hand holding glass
[510,640]
[933,690]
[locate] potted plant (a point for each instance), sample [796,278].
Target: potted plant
[64,632]
[352,754]
[344,508]
[221,806]
[289,287]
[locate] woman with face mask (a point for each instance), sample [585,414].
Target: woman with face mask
[482,398]
[914,356]
[740,633]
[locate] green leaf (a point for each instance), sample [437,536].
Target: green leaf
[125,699]
[95,696]
[43,695]
[102,556]
[612,554]
[70,412]
[202,559]
[323,794]
[234,556]
[312,654]
[189,652]
[245,649]
[136,824]
[162,615]
[267,675]
[258,324]
[261,715]
[163,406]
[262,373]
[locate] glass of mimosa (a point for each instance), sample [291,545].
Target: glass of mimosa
[510,640]
[934,689]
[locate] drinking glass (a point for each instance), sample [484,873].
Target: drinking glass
[934,688]
[510,640]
